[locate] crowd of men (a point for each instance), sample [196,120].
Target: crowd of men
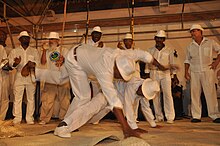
[104,79]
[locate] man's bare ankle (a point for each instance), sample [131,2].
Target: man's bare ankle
[62,124]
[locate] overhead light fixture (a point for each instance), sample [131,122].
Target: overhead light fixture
[75,28]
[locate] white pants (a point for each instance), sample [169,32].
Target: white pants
[165,83]
[84,113]
[17,107]
[4,92]
[79,84]
[147,112]
[205,81]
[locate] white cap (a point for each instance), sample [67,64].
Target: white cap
[161,33]
[128,36]
[54,35]
[196,26]
[150,88]
[97,28]
[126,66]
[23,33]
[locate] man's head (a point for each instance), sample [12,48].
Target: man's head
[160,38]
[3,37]
[54,39]
[128,41]
[148,89]
[196,31]
[24,38]
[124,68]
[96,34]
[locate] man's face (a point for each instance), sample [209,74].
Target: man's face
[117,74]
[25,40]
[3,37]
[128,43]
[159,41]
[96,36]
[53,43]
[196,33]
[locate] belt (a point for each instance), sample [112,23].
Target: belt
[74,53]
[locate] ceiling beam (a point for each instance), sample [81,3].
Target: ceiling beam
[125,21]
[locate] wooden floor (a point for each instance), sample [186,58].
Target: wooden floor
[181,133]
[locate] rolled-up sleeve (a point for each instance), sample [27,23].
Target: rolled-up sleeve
[187,59]
[139,55]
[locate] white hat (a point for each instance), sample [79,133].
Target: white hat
[196,26]
[97,28]
[23,33]
[54,35]
[161,33]
[150,88]
[128,36]
[126,66]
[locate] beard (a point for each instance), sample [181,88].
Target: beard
[53,45]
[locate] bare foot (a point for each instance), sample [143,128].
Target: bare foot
[141,131]
[130,133]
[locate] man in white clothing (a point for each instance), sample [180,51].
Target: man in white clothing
[138,88]
[164,55]
[104,64]
[199,59]
[128,44]
[53,59]
[24,59]
[96,35]
[4,78]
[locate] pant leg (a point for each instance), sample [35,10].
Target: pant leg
[47,99]
[148,114]
[64,99]
[17,105]
[84,113]
[79,84]
[167,98]
[136,106]
[196,108]
[157,106]
[4,95]
[208,85]
[30,91]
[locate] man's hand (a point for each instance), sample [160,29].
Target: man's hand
[119,45]
[214,65]
[60,61]
[45,46]
[187,76]
[17,60]
[141,131]
[25,71]
[101,44]
[31,64]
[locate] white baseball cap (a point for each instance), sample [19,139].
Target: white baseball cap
[54,35]
[150,88]
[161,33]
[128,36]
[23,33]
[126,66]
[97,28]
[196,26]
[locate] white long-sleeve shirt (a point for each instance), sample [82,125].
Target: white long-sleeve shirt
[164,56]
[30,54]
[201,56]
